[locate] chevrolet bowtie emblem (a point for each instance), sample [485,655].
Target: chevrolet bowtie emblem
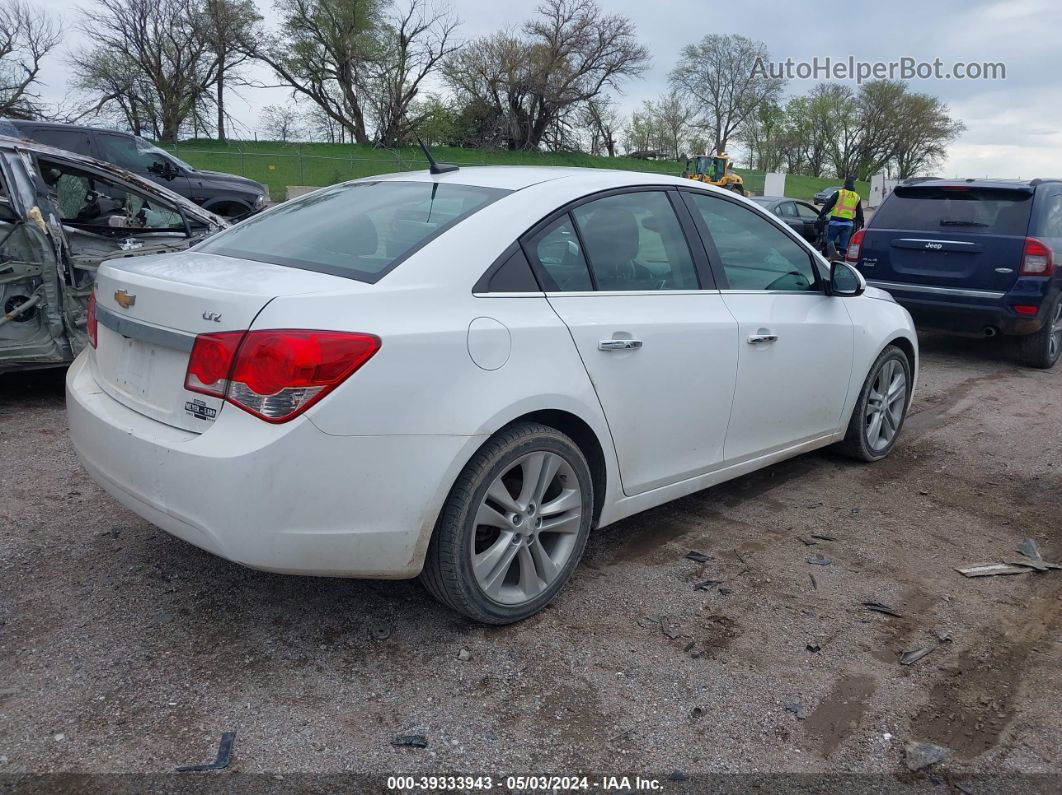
[124,299]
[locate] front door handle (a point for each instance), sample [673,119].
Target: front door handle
[619,345]
[755,338]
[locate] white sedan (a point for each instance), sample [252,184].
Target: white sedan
[459,375]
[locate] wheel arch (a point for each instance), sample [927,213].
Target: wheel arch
[909,350]
[221,201]
[585,439]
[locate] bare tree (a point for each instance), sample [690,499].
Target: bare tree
[569,53]
[604,122]
[723,74]
[924,129]
[674,122]
[324,51]
[414,39]
[227,25]
[281,122]
[148,54]
[27,35]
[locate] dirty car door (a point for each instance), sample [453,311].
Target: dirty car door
[32,330]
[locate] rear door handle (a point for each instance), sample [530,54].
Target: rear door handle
[755,338]
[619,345]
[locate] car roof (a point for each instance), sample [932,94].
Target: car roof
[7,126]
[977,183]
[519,177]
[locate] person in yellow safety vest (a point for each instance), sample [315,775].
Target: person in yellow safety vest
[846,215]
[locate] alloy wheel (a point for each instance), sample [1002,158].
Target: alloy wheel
[526,528]
[885,405]
[1054,343]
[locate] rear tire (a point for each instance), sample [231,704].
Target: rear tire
[881,408]
[514,527]
[1043,348]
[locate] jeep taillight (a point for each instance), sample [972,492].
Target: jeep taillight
[1037,259]
[275,374]
[855,246]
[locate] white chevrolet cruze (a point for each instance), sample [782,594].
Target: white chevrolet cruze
[459,375]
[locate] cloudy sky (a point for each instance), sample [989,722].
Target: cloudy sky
[1013,125]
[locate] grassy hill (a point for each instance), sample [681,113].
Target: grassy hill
[279,164]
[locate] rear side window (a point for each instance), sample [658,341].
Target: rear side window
[558,251]
[1051,223]
[358,230]
[72,140]
[943,208]
[634,242]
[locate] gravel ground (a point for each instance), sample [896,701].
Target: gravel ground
[125,650]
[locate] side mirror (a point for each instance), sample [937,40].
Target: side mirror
[845,281]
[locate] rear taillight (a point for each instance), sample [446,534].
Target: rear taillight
[855,246]
[275,374]
[1037,259]
[1026,309]
[90,319]
[210,362]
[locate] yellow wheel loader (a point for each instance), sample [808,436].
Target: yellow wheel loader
[714,170]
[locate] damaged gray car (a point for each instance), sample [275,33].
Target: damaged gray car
[61,215]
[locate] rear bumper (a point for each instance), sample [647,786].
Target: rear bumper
[968,312]
[284,498]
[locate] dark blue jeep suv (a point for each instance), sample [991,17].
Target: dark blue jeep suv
[972,257]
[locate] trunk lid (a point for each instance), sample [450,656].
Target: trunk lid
[150,309]
[948,236]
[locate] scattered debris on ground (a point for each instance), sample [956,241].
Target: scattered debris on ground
[911,656]
[819,560]
[464,655]
[698,557]
[1030,560]
[380,631]
[989,569]
[823,537]
[881,607]
[706,585]
[921,755]
[797,709]
[228,741]
[410,741]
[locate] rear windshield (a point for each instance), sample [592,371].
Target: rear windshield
[359,230]
[969,210]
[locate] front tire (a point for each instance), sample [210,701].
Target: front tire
[881,409]
[1043,348]
[740,191]
[514,527]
